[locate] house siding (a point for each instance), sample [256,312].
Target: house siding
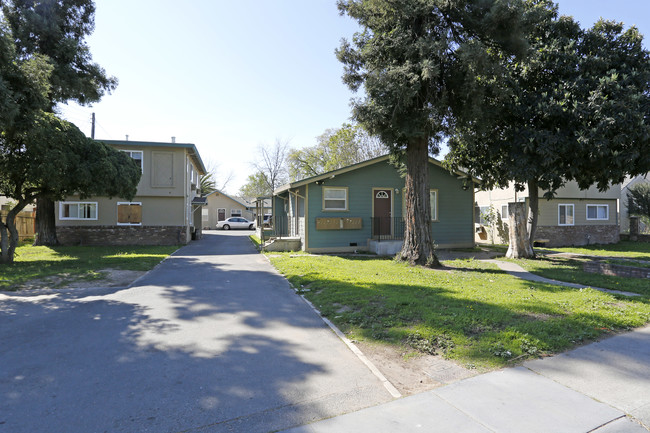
[169,182]
[582,232]
[218,200]
[454,227]
[548,211]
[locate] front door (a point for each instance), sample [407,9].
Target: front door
[382,212]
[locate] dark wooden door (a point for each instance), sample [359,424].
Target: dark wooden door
[382,199]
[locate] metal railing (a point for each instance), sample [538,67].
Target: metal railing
[386,228]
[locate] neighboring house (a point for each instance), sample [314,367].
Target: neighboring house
[221,206]
[625,217]
[573,217]
[361,208]
[165,211]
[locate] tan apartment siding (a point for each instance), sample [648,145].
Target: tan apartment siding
[548,211]
[156,211]
[163,170]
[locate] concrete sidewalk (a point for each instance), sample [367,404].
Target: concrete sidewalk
[517,271]
[603,387]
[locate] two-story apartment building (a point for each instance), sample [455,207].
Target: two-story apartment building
[165,211]
[572,217]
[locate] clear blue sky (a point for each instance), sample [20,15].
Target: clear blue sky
[229,76]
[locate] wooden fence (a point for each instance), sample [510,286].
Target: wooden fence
[24,223]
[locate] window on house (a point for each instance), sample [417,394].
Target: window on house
[335,198]
[129,213]
[504,212]
[480,213]
[433,201]
[136,155]
[205,213]
[565,215]
[235,212]
[597,212]
[78,210]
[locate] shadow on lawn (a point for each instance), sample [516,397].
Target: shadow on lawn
[528,321]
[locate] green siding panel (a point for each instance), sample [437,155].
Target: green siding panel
[455,206]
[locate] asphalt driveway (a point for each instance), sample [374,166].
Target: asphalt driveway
[212,340]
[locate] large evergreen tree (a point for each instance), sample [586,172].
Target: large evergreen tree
[410,58]
[57,29]
[576,107]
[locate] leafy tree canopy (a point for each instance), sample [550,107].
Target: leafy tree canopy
[57,29]
[576,107]
[335,148]
[638,200]
[255,186]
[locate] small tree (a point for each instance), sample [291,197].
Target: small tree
[255,186]
[638,202]
[270,164]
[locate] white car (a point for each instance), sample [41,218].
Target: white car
[235,223]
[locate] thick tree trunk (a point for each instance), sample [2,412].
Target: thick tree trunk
[418,244]
[519,246]
[4,244]
[9,234]
[45,223]
[533,212]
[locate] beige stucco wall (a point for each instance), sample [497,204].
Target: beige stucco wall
[156,211]
[570,190]
[217,201]
[147,185]
[548,211]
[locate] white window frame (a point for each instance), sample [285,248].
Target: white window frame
[236,213]
[345,199]
[127,203]
[573,214]
[504,215]
[606,206]
[433,204]
[78,203]
[131,152]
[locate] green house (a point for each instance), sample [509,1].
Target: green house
[361,208]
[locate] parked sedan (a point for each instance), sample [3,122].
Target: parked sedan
[235,223]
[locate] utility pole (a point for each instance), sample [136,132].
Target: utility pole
[92,129]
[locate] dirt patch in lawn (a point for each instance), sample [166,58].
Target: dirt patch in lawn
[411,372]
[103,278]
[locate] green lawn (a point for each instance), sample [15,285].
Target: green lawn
[626,249]
[470,312]
[75,263]
[572,271]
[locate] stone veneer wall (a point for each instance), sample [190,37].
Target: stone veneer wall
[639,238]
[560,236]
[616,270]
[121,235]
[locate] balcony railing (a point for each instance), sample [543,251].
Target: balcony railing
[386,228]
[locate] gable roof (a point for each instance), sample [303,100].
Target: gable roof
[191,148]
[355,167]
[238,201]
